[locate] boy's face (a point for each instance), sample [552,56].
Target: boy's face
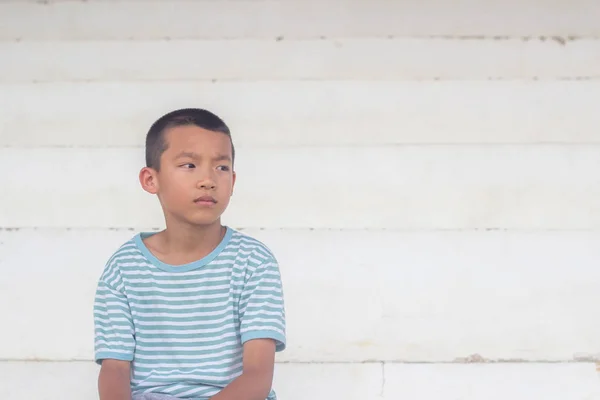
[196,178]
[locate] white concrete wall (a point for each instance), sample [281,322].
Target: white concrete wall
[428,173]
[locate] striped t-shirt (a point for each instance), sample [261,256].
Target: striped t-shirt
[183,327]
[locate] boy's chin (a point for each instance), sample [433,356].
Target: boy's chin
[203,220]
[199,218]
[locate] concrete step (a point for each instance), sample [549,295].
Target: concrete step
[368,381]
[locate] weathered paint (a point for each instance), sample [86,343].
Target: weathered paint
[87,20]
[332,59]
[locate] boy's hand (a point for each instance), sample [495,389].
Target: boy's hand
[114,380]
[257,376]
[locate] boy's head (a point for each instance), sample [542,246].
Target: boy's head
[189,165]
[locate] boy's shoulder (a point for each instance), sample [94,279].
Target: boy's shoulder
[126,251]
[249,245]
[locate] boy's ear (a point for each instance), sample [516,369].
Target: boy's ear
[233,183]
[148,180]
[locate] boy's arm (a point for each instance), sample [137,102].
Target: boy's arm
[114,340]
[257,374]
[113,381]
[262,329]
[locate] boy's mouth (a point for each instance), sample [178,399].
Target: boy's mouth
[205,200]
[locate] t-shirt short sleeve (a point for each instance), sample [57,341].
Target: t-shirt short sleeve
[113,323]
[262,311]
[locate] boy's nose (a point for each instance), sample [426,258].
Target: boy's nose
[206,184]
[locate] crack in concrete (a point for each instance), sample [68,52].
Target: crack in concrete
[382,391]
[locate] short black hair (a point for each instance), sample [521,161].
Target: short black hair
[155,139]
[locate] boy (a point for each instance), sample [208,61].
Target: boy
[195,311]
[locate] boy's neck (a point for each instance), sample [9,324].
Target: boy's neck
[183,243]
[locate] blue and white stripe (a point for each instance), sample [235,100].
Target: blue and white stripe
[183,327]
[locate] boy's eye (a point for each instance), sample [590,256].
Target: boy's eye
[188,165]
[223,168]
